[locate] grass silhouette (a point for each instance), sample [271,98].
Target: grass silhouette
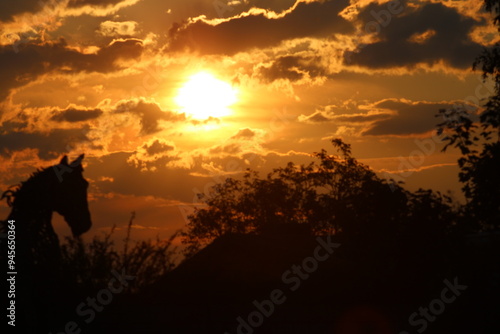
[88,265]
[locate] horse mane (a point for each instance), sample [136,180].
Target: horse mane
[18,189]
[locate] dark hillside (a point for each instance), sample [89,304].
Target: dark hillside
[354,290]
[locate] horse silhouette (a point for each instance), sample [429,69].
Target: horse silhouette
[60,188]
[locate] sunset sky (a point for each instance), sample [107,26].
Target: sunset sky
[166,98]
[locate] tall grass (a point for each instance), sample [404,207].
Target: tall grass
[89,265]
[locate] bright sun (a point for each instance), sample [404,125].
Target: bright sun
[203,95]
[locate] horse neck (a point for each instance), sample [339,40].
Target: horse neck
[32,211]
[32,204]
[28,215]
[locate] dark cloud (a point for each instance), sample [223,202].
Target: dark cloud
[133,179]
[244,133]
[95,3]
[159,179]
[210,119]
[228,149]
[18,124]
[410,117]
[10,8]
[76,115]
[362,118]
[292,68]
[316,19]
[429,34]
[329,116]
[274,5]
[49,145]
[316,117]
[149,113]
[24,64]
[15,134]
[157,147]
[391,104]
[166,181]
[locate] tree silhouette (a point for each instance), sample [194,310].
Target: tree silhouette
[334,195]
[479,144]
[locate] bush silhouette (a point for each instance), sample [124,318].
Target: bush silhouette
[89,265]
[336,195]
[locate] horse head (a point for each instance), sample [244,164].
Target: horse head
[70,195]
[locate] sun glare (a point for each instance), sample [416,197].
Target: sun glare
[203,95]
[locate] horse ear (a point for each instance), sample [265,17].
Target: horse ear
[78,161]
[64,160]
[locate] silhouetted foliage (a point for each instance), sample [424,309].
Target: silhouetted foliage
[493,6]
[89,265]
[479,143]
[336,195]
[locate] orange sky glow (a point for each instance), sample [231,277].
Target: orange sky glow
[167,98]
